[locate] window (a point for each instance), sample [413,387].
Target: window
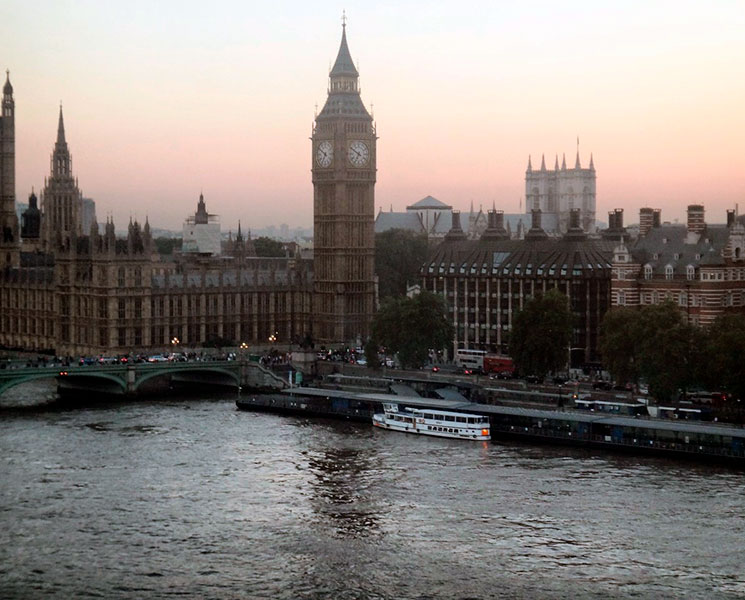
[690,272]
[668,272]
[647,271]
[120,277]
[621,298]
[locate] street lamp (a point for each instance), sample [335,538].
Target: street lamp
[244,347]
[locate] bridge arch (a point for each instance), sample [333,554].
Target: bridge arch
[11,382]
[192,370]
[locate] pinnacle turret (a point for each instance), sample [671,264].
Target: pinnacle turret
[344,94]
[7,88]
[61,129]
[344,64]
[530,166]
[543,162]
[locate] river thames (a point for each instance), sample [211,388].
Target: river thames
[189,497]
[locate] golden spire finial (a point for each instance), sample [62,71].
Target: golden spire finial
[343,18]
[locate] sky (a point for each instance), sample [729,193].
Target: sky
[165,99]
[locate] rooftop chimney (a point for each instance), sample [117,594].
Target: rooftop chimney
[575,231]
[611,219]
[646,220]
[535,222]
[456,232]
[495,226]
[730,217]
[696,222]
[619,218]
[536,232]
[574,218]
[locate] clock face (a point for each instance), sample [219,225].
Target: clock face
[359,155]
[324,154]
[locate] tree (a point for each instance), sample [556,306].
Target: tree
[166,245]
[541,334]
[667,350]
[723,365]
[655,343]
[620,335]
[267,247]
[371,354]
[399,254]
[410,327]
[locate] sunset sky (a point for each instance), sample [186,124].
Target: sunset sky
[164,99]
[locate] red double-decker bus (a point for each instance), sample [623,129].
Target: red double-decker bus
[499,365]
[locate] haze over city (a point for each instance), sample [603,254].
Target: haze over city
[162,102]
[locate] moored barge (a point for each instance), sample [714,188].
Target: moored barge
[640,435]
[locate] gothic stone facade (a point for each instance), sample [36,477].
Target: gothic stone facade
[101,295]
[9,231]
[344,171]
[558,191]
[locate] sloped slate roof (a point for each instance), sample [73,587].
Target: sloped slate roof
[666,245]
[346,104]
[547,258]
[397,220]
[428,202]
[344,65]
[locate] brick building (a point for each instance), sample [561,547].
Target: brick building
[699,266]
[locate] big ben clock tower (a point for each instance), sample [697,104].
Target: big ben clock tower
[343,209]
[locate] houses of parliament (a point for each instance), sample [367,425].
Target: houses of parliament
[88,292]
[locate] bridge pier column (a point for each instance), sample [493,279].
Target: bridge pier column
[130,378]
[243,372]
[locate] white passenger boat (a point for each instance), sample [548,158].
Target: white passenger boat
[428,421]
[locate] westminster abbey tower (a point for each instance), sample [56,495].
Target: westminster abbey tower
[343,167]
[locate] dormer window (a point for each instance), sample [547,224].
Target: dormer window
[655,256]
[690,272]
[698,257]
[668,272]
[676,256]
[647,271]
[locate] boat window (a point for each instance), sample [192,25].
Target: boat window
[428,416]
[460,419]
[449,418]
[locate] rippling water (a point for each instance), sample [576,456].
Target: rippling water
[192,498]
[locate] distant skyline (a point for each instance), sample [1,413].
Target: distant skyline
[164,101]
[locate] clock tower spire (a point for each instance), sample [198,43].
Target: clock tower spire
[9,231]
[343,172]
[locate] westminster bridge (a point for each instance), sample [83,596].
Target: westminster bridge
[127,379]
